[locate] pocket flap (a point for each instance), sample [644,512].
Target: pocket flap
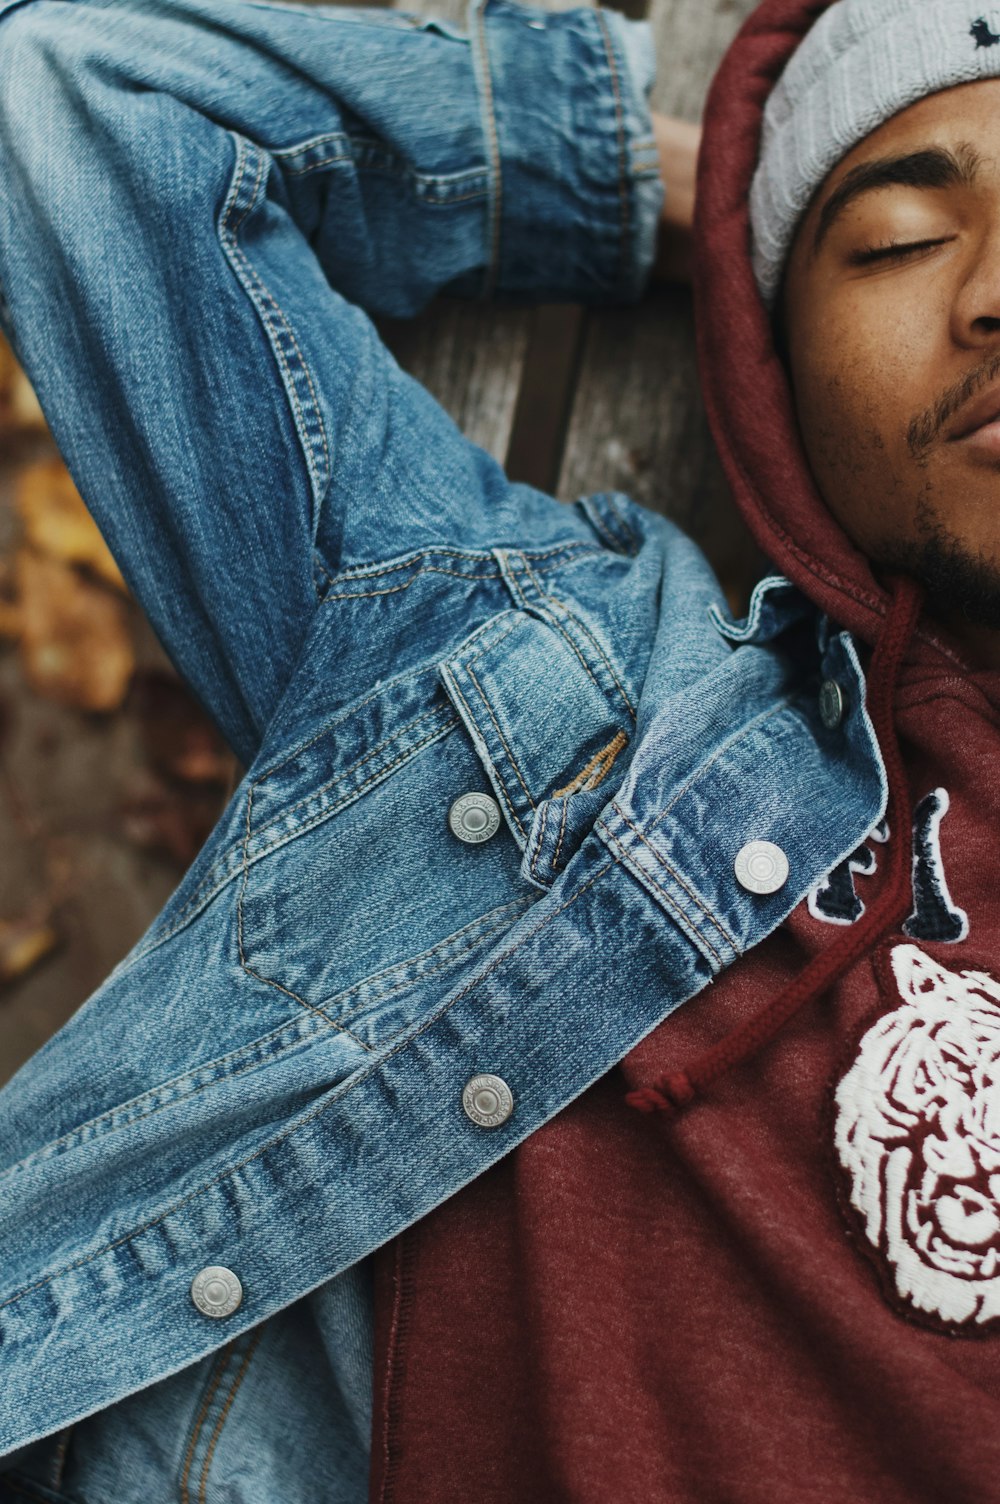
[535,711]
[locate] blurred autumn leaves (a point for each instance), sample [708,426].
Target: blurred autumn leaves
[65,598]
[83,645]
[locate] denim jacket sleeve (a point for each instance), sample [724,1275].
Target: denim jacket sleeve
[200,203]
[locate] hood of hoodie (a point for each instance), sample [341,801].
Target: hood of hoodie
[747,393]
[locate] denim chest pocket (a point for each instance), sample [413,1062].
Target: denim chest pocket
[356,898]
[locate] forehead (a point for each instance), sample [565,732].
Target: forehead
[966,113]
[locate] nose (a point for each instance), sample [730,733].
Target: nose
[976,304]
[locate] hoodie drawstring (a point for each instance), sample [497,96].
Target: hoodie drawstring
[675,1089]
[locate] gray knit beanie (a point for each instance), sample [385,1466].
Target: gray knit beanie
[862,61]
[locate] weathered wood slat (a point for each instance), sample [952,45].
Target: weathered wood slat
[637,422]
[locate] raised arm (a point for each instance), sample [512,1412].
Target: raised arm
[197,200]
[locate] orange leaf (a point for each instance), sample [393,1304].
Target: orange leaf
[23,943]
[57,523]
[75,643]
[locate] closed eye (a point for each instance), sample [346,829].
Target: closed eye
[893,250]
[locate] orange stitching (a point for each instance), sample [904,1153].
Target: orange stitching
[503,741]
[218,1369]
[237,1382]
[601,763]
[318,1111]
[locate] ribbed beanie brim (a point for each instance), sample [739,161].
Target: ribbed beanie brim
[862,62]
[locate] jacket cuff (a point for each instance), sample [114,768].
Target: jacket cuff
[575,188]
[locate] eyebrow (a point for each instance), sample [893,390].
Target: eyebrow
[929,167]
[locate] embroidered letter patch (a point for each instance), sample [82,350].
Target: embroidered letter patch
[918,1135]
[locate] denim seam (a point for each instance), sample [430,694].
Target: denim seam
[503,740]
[224,1415]
[487,643]
[356,146]
[358,595]
[540,842]
[326,815]
[487,558]
[623,192]
[210,887]
[710,762]
[553,622]
[481,68]
[631,537]
[98,1126]
[680,918]
[600,526]
[587,633]
[337,1096]
[217,878]
[345,713]
[60,1457]
[105,1123]
[695,897]
[562,832]
[342,773]
[499,782]
[276,323]
[287,992]
[483,930]
[208,1395]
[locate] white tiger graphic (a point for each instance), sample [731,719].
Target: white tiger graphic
[918,1133]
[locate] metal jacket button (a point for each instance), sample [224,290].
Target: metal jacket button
[832,704]
[761,867]
[474,818]
[216,1291]
[488,1101]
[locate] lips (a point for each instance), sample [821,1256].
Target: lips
[985,409]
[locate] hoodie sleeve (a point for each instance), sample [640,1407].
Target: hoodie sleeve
[575,187]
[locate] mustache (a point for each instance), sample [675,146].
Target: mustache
[925,428]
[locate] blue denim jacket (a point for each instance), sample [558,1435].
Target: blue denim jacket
[198,198]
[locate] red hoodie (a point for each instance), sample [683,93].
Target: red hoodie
[791,1291]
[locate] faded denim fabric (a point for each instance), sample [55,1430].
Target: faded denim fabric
[198,199]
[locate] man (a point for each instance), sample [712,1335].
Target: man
[518,788]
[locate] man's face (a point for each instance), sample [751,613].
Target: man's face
[895,353]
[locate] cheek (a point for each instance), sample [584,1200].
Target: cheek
[855,395]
